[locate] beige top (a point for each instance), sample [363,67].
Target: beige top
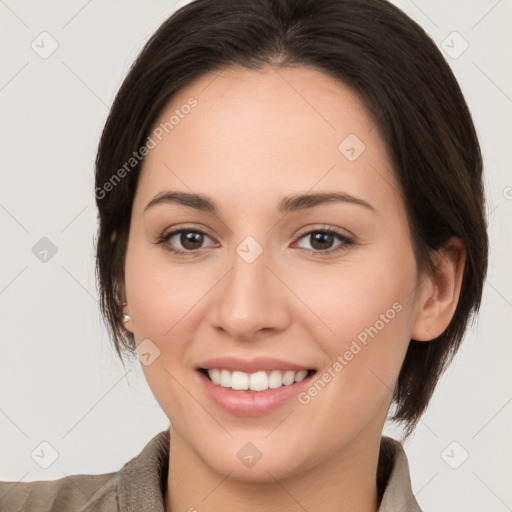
[139,486]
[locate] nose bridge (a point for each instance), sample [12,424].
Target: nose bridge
[250,298]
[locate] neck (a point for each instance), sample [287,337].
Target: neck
[345,482]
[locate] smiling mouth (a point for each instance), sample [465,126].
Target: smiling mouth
[258,381]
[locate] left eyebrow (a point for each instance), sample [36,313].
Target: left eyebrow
[285,205]
[302,201]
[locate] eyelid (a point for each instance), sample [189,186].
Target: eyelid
[187,227]
[174,230]
[326,227]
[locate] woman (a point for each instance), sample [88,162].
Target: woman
[292,240]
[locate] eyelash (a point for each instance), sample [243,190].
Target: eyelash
[164,238]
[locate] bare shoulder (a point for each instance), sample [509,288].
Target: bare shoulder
[73,493]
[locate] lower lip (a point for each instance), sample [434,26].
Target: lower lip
[251,403]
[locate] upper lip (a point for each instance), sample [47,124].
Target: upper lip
[250,365]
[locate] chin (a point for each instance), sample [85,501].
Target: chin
[254,462]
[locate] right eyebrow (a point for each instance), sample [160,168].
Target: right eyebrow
[197,201]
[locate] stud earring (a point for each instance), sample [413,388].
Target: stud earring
[126,318]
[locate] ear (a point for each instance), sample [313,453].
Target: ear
[439,292]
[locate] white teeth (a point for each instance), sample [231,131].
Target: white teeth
[214,375]
[288,378]
[300,375]
[259,381]
[239,380]
[275,379]
[225,379]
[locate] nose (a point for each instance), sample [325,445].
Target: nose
[250,300]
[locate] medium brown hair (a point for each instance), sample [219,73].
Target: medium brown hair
[402,78]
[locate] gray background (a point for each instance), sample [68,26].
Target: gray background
[60,380]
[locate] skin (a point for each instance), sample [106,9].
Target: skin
[254,137]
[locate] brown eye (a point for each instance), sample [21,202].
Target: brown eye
[322,241]
[183,241]
[191,240]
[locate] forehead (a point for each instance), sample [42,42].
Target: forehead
[267,132]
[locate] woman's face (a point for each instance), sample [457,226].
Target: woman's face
[250,295]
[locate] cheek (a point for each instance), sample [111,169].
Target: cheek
[365,345]
[353,295]
[366,310]
[166,303]
[159,293]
